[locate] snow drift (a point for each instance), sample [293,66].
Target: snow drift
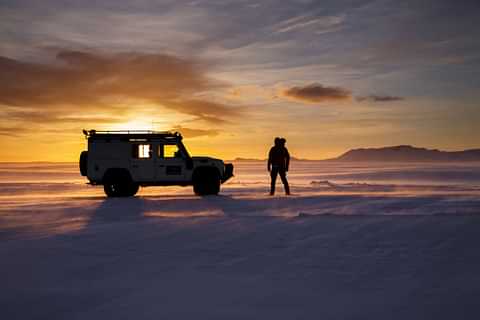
[389,241]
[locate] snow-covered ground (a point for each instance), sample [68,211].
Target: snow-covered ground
[354,241]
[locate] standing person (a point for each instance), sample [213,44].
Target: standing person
[278,162]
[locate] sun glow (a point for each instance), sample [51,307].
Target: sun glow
[137,124]
[147,117]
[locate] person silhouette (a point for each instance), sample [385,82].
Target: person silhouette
[278,162]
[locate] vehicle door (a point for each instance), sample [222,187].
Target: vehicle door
[143,162]
[171,163]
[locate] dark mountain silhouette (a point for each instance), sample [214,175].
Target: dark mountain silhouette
[248,159]
[255,159]
[408,153]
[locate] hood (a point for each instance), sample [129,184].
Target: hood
[205,159]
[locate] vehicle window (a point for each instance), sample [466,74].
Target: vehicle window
[171,151]
[142,151]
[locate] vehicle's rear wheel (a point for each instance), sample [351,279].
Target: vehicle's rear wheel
[115,188]
[119,184]
[206,182]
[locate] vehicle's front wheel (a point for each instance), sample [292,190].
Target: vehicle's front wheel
[206,182]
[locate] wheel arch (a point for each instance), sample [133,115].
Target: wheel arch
[112,173]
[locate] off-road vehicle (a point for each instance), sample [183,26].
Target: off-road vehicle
[122,161]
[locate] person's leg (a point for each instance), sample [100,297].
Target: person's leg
[273,175]
[283,176]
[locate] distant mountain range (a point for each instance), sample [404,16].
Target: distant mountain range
[403,153]
[254,159]
[408,154]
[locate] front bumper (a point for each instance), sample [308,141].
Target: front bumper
[228,172]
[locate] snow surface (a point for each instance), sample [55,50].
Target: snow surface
[355,241]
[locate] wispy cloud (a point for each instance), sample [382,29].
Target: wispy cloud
[321,24]
[195,133]
[379,98]
[11,131]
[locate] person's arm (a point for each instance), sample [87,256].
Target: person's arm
[287,159]
[269,162]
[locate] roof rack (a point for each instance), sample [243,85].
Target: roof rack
[134,133]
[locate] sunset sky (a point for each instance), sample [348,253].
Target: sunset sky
[231,75]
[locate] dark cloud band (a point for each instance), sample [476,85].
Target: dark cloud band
[315,93]
[81,82]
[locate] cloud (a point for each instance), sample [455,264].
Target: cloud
[207,111]
[379,98]
[11,131]
[315,93]
[80,82]
[194,133]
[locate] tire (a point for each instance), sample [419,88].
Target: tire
[133,189]
[117,183]
[112,189]
[206,182]
[83,163]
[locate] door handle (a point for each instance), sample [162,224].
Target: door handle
[161,166]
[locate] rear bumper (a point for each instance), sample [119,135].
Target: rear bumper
[228,173]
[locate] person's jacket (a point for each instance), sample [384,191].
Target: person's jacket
[279,157]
